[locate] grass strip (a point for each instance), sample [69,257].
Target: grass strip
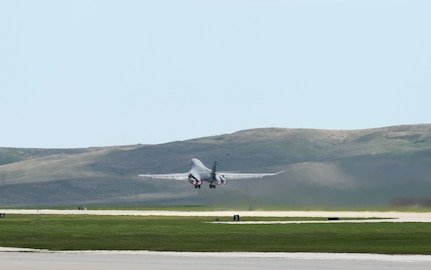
[82,232]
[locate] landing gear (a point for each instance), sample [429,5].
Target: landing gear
[212,186]
[197,186]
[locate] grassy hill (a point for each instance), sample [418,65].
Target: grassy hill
[323,168]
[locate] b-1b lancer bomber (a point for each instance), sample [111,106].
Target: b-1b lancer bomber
[199,173]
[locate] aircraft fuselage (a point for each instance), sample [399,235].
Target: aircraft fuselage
[199,173]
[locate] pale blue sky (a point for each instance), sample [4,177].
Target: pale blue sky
[97,73]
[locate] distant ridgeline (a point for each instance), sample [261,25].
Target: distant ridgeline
[323,168]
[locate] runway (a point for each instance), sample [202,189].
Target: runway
[110,260]
[11,258]
[400,216]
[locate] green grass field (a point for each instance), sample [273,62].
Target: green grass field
[62,232]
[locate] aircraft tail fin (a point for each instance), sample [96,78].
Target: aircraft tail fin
[213,171]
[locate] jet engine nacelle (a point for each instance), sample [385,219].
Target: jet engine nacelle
[221,180]
[194,181]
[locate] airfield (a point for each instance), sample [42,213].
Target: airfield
[16,258]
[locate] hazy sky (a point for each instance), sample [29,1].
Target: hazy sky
[97,73]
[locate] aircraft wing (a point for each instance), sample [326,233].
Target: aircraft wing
[171,176]
[233,176]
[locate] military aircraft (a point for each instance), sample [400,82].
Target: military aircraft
[199,172]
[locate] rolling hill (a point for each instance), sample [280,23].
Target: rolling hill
[388,166]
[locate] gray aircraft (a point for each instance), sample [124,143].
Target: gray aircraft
[199,172]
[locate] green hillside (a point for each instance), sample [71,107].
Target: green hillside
[323,168]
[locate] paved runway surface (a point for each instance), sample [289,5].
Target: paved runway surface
[11,258]
[110,260]
[413,216]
